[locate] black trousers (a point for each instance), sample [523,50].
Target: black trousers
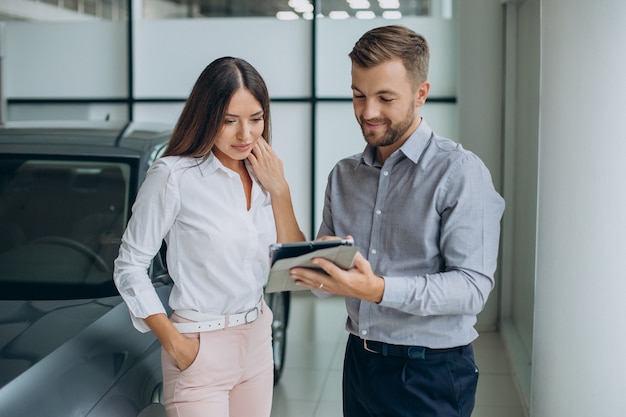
[401,382]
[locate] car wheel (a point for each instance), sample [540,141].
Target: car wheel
[278,302]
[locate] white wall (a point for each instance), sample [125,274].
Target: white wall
[480,102]
[170,54]
[578,345]
[65,60]
[520,155]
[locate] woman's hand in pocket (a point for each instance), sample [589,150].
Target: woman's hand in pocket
[186,351]
[182,348]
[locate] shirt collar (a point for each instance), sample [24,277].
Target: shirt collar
[209,163]
[412,148]
[417,142]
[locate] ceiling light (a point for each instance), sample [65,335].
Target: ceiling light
[389,4]
[359,4]
[339,15]
[392,14]
[286,16]
[301,6]
[297,3]
[365,14]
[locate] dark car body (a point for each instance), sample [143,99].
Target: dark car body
[67,345]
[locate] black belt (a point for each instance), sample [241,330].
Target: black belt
[401,351]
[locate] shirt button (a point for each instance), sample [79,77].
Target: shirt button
[364,332]
[385,173]
[373,251]
[378,212]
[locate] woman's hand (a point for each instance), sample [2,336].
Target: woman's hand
[181,348]
[185,351]
[268,168]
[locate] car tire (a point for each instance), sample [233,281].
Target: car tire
[279,303]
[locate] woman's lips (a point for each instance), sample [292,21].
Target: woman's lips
[243,147]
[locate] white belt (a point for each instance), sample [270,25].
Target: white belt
[208,322]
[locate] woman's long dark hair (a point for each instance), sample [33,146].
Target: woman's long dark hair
[202,117]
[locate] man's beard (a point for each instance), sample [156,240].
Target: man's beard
[392,133]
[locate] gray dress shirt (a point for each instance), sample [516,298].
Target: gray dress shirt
[428,220]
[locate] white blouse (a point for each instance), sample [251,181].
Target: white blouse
[217,250]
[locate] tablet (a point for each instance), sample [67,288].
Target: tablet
[285,256]
[293,249]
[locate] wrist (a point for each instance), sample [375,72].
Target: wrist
[280,191]
[378,290]
[174,343]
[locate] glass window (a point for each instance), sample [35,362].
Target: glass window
[61,222]
[64,10]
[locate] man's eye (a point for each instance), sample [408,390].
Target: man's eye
[386,99]
[357,96]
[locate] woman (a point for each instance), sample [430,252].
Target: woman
[218,197]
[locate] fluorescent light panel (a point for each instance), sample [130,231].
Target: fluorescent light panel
[389,4]
[286,15]
[301,6]
[339,15]
[365,14]
[359,4]
[392,14]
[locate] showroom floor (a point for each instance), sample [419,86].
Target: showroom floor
[311,382]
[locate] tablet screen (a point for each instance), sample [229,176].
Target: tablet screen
[293,249]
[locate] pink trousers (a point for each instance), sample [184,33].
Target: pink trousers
[232,376]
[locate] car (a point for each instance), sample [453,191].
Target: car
[67,344]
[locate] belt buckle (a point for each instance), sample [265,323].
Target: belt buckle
[252,310]
[367,348]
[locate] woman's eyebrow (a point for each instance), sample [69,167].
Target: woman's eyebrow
[259,113]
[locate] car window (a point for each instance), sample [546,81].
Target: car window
[61,223]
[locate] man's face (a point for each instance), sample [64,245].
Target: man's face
[386,103]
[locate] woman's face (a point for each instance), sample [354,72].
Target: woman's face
[243,125]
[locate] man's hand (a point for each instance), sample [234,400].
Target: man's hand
[359,281]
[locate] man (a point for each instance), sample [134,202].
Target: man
[426,218]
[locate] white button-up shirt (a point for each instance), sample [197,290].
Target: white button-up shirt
[217,250]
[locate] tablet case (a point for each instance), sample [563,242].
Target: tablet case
[279,279]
